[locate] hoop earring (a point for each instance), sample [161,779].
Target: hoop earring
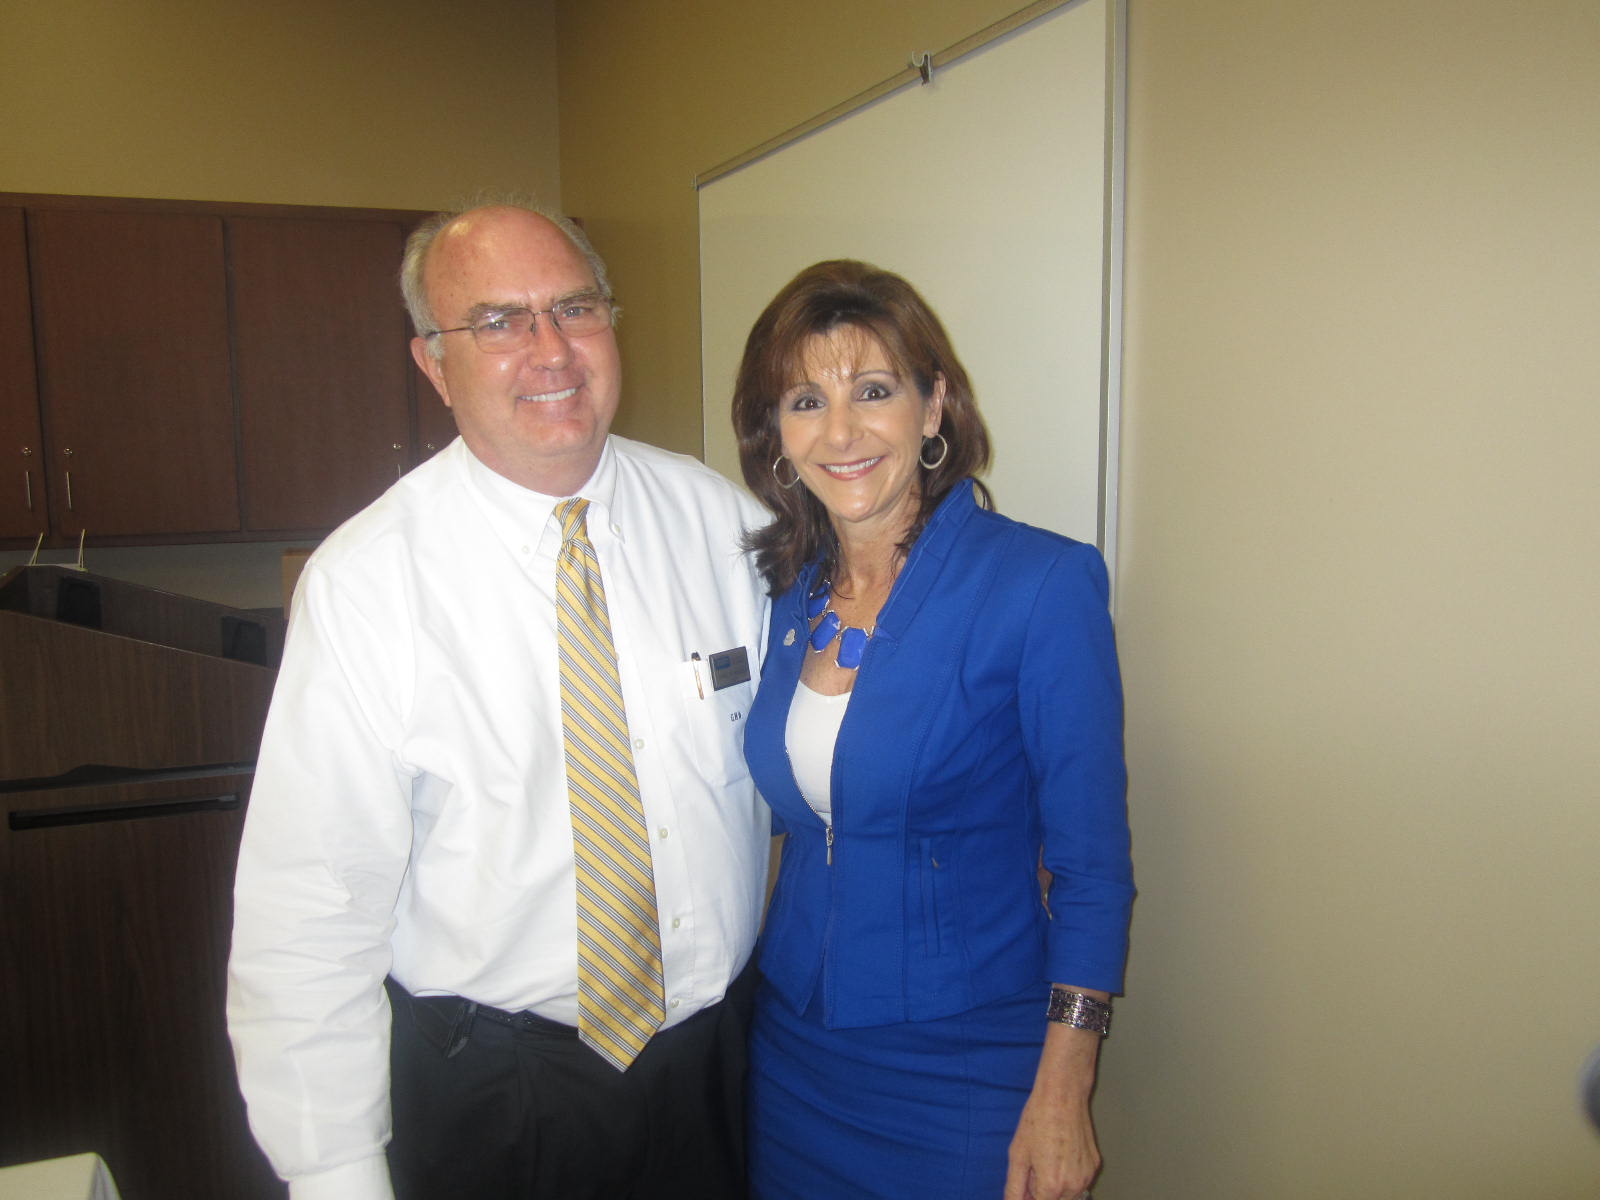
[944,452]
[779,478]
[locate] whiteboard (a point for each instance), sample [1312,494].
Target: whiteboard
[995,189]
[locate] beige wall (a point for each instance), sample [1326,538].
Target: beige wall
[1359,586]
[1361,528]
[383,103]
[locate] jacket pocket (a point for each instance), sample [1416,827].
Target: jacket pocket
[932,872]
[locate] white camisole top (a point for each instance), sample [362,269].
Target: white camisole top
[810,736]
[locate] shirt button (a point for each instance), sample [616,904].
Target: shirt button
[662,832]
[676,1002]
[616,529]
[524,549]
[676,922]
[638,743]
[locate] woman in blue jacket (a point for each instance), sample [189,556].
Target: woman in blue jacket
[939,718]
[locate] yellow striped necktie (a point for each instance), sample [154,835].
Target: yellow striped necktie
[619,942]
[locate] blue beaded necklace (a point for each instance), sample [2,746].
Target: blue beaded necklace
[852,641]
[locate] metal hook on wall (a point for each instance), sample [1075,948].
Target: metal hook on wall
[922,64]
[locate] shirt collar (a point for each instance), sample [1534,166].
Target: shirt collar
[517,513]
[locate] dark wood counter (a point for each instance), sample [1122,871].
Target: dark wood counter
[129,721]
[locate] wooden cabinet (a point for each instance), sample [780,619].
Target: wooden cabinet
[195,371]
[323,375]
[131,322]
[23,511]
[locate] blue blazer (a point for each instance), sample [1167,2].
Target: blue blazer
[986,722]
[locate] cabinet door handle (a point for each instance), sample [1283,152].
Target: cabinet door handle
[27,486]
[399,463]
[66,452]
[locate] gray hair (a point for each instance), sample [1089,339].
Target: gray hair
[415,259]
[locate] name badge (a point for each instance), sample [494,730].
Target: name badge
[729,667]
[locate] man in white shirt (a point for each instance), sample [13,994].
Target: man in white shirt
[410,818]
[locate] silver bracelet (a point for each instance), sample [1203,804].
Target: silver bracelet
[1078,1010]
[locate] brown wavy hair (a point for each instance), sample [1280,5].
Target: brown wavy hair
[819,300]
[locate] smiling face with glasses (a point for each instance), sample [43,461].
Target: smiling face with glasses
[536,385]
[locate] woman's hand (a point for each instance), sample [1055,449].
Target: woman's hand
[1054,1155]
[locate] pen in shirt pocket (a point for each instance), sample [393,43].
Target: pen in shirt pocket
[694,659]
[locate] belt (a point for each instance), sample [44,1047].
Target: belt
[447,1021]
[523,1022]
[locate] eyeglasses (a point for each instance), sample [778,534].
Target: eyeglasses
[505,330]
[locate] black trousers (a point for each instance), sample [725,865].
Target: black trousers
[483,1111]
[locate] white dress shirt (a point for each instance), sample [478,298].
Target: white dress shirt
[409,814]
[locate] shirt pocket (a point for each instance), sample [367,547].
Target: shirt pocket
[716,719]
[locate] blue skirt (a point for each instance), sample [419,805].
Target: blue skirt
[924,1109]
